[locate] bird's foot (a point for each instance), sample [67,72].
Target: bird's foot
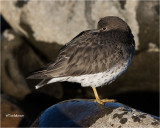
[99,101]
[104,101]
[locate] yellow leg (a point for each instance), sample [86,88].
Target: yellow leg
[98,100]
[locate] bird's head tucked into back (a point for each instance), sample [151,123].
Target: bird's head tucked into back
[112,23]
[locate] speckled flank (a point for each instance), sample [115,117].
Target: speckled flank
[95,80]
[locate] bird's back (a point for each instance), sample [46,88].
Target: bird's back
[89,52]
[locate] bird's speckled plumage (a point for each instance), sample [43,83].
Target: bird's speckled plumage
[107,49]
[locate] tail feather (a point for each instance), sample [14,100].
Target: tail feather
[38,75]
[42,83]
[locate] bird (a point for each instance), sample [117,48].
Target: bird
[93,58]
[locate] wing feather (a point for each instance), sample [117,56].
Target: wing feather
[87,53]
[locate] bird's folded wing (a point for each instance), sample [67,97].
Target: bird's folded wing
[87,53]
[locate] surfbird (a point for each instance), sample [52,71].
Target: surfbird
[93,58]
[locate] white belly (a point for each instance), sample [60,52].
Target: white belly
[95,80]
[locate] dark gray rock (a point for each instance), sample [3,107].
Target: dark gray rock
[18,60]
[86,113]
[148,23]
[13,81]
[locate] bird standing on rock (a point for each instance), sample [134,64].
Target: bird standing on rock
[93,58]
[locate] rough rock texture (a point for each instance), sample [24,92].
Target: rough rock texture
[148,24]
[86,113]
[18,60]
[12,115]
[59,21]
[13,82]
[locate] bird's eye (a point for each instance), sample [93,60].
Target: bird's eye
[103,29]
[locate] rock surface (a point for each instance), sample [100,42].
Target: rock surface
[59,21]
[86,113]
[18,60]
[148,23]
[13,82]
